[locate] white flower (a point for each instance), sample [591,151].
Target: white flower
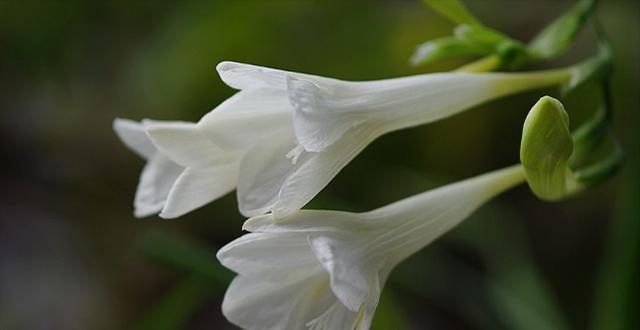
[326,269]
[183,172]
[333,120]
[284,135]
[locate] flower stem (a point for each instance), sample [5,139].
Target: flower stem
[485,64]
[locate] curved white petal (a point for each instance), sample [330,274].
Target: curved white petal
[196,187]
[318,119]
[243,119]
[156,180]
[247,76]
[336,316]
[268,257]
[134,136]
[255,304]
[263,170]
[315,170]
[305,303]
[325,110]
[185,144]
[340,257]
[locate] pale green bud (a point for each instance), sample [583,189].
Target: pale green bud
[545,150]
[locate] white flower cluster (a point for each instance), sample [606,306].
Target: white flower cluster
[279,141]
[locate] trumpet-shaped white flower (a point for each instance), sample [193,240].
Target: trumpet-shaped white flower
[326,269]
[284,135]
[331,121]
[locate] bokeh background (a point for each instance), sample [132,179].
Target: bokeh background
[72,256]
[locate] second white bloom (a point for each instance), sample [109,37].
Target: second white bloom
[326,269]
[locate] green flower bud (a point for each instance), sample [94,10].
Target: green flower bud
[545,150]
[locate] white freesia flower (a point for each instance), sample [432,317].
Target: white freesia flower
[183,172]
[284,135]
[331,121]
[326,269]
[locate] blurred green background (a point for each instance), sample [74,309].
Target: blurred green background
[73,257]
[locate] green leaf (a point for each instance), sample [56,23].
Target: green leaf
[454,10]
[545,150]
[559,35]
[442,48]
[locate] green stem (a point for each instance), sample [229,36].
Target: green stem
[485,64]
[600,171]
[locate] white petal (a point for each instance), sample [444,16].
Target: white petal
[341,258]
[318,121]
[309,221]
[336,316]
[315,170]
[156,180]
[367,311]
[247,76]
[196,187]
[243,119]
[263,170]
[269,257]
[255,304]
[244,76]
[133,135]
[307,303]
[186,145]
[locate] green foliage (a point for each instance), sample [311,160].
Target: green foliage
[511,52]
[477,40]
[454,10]
[558,36]
[471,40]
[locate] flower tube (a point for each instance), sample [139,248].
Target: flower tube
[333,121]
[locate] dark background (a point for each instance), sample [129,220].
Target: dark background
[73,257]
